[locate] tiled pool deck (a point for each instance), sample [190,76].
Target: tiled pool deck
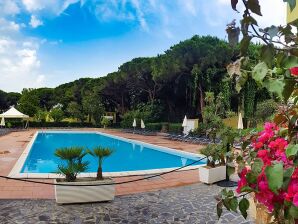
[15,143]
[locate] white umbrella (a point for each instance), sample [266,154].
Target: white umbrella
[134,124]
[240,122]
[142,124]
[184,124]
[2,122]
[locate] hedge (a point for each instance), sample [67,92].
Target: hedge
[172,127]
[175,127]
[154,126]
[35,124]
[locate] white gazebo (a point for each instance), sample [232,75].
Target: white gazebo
[14,113]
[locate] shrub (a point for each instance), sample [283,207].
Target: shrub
[150,113]
[127,119]
[154,126]
[57,114]
[175,127]
[105,122]
[41,116]
[266,109]
[214,154]
[62,124]
[200,130]
[73,157]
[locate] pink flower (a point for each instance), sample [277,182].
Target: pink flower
[258,145]
[265,195]
[292,190]
[278,144]
[294,71]
[242,182]
[270,126]
[295,199]
[264,155]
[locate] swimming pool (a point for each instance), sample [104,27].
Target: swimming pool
[130,157]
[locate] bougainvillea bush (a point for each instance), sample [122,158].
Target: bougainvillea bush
[269,170]
[268,163]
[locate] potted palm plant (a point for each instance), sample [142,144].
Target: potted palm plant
[215,169]
[74,190]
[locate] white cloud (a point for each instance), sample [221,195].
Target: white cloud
[7,26]
[19,62]
[55,7]
[35,22]
[224,2]
[40,79]
[140,15]
[19,65]
[189,6]
[9,8]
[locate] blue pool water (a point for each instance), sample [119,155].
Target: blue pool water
[127,156]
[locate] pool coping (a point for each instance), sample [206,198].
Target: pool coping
[16,170]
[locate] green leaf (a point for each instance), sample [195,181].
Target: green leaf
[291,151]
[234,204]
[251,178]
[287,177]
[274,174]
[294,212]
[219,209]
[254,6]
[274,86]
[267,54]
[257,166]
[292,3]
[288,89]
[230,193]
[226,203]
[243,206]
[259,72]
[290,61]
[247,189]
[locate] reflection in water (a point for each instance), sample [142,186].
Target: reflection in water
[183,161]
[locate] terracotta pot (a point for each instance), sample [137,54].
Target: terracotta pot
[259,212]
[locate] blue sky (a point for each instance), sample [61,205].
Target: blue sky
[50,42]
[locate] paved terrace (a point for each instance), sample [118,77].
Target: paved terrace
[183,205]
[13,144]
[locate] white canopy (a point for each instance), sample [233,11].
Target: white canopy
[13,113]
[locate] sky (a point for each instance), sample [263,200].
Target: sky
[45,43]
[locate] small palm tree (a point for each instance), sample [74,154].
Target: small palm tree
[101,153]
[74,164]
